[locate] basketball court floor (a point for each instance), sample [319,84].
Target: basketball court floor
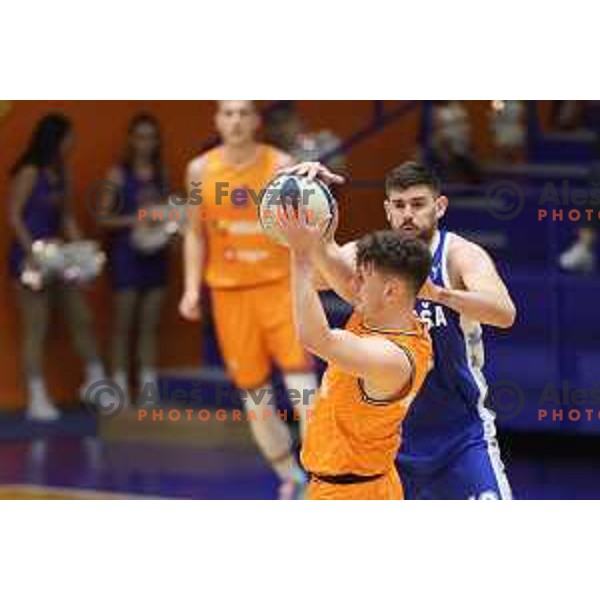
[78,459]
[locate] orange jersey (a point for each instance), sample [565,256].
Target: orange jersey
[239,254]
[351,433]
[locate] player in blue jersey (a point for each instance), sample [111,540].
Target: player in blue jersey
[449,448]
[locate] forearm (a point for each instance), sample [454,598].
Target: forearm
[335,269]
[484,307]
[193,260]
[309,317]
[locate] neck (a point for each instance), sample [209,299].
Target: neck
[430,239]
[237,155]
[393,317]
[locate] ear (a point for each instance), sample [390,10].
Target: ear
[257,125]
[441,205]
[386,208]
[390,288]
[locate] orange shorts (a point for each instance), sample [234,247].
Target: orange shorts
[387,487]
[255,328]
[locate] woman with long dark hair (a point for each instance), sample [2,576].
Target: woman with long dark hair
[138,274]
[39,211]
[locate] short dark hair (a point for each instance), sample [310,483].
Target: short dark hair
[394,253]
[409,174]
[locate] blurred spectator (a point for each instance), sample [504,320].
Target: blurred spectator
[580,257]
[138,273]
[39,211]
[452,152]
[565,115]
[570,115]
[508,129]
[285,129]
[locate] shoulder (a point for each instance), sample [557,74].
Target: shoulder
[397,365]
[25,181]
[466,258]
[391,351]
[461,250]
[196,166]
[27,174]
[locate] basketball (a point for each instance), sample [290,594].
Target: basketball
[292,189]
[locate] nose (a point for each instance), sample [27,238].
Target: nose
[407,219]
[408,213]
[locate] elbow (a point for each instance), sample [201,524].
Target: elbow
[507,318]
[314,342]
[306,339]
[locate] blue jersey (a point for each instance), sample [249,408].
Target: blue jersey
[448,414]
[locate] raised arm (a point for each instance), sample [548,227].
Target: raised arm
[335,268]
[381,364]
[335,263]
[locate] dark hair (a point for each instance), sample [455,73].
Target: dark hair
[43,149]
[409,174]
[156,158]
[394,253]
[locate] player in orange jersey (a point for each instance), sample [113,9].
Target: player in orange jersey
[377,363]
[248,278]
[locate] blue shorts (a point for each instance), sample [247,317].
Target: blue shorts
[475,473]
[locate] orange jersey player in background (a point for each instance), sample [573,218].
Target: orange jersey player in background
[248,277]
[377,364]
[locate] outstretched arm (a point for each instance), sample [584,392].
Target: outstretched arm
[335,268]
[334,263]
[376,360]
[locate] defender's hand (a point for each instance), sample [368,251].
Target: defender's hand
[315,170]
[429,291]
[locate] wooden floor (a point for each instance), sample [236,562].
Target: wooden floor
[35,492]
